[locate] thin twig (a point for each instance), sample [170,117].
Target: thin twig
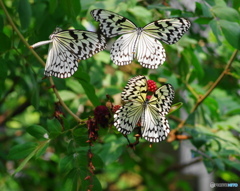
[202,98]
[225,71]
[40,60]
[62,102]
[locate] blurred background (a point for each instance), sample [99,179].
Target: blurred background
[43,147]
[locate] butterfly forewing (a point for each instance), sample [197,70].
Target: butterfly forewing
[68,47]
[168,30]
[162,99]
[81,43]
[135,90]
[112,24]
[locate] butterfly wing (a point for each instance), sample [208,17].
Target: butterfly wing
[150,52]
[112,24]
[162,99]
[127,116]
[168,30]
[134,93]
[68,47]
[135,90]
[155,127]
[122,51]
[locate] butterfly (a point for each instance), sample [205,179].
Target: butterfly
[67,48]
[149,112]
[139,42]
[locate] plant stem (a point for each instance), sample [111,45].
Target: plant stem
[224,72]
[202,98]
[40,60]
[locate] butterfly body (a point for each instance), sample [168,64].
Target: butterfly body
[140,42]
[150,112]
[67,47]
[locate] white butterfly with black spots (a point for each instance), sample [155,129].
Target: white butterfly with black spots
[150,113]
[139,42]
[67,48]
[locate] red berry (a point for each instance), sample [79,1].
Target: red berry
[148,97]
[115,108]
[152,87]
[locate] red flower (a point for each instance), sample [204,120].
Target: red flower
[102,115]
[92,129]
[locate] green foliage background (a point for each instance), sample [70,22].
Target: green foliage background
[40,153]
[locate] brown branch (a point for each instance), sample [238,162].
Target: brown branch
[9,114]
[202,98]
[40,60]
[180,166]
[224,72]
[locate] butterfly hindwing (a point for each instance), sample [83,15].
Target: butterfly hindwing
[126,118]
[63,65]
[112,24]
[168,30]
[123,49]
[150,52]
[155,127]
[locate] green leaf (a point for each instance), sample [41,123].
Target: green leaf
[53,5]
[205,10]
[231,31]
[203,21]
[232,163]
[96,184]
[111,151]
[175,107]
[208,164]
[71,8]
[219,164]
[66,164]
[1,23]
[67,95]
[42,148]
[54,127]
[197,65]
[84,80]
[216,30]
[97,162]
[25,13]
[75,180]
[226,13]
[3,69]
[21,151]
[5,43]
[38,132]
[36,150]
[216,2]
